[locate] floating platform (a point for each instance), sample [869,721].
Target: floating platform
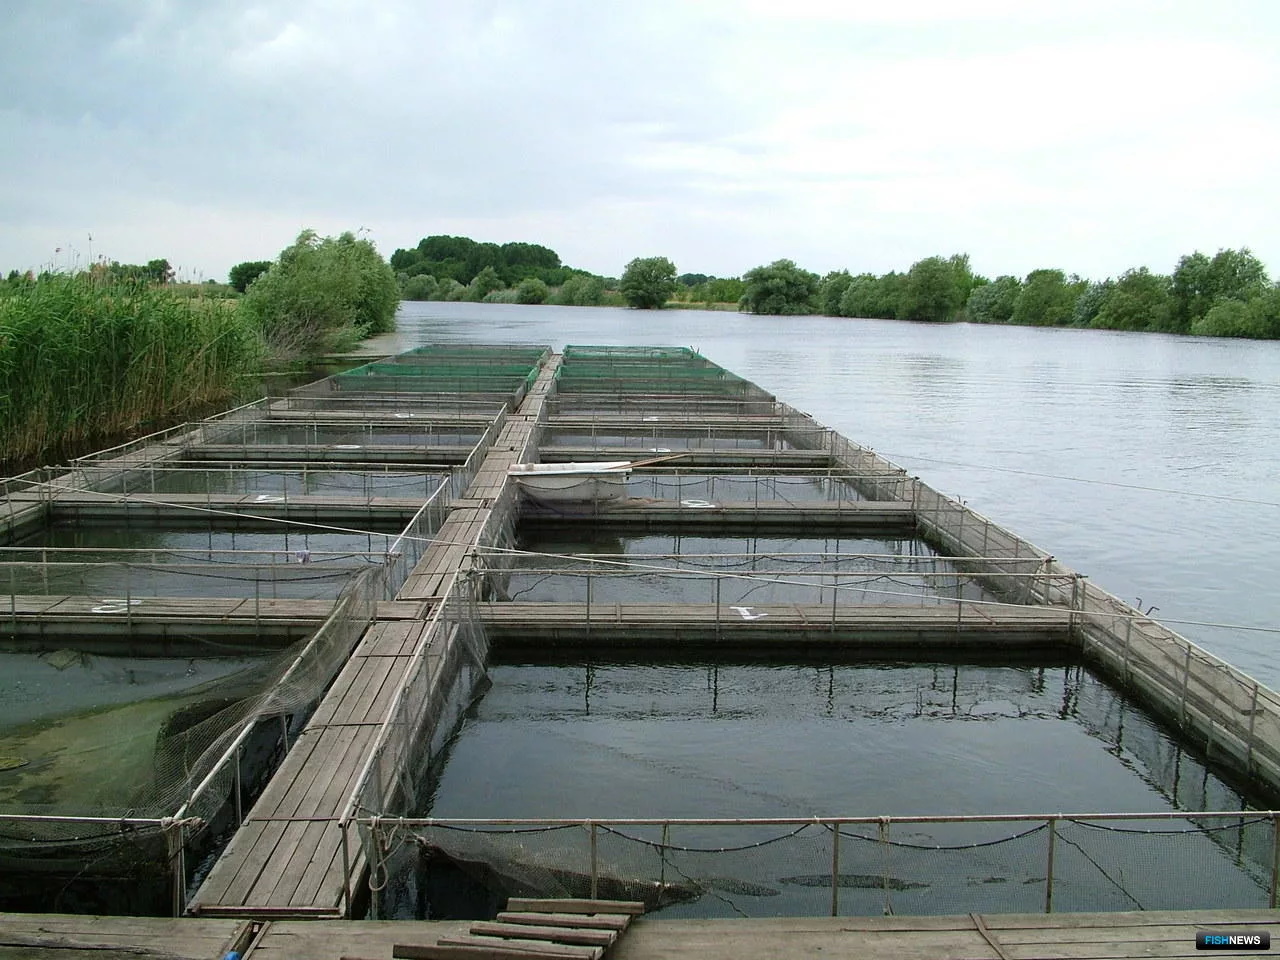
[413,647]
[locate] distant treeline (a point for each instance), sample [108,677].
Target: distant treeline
[1228,294]
[459,268]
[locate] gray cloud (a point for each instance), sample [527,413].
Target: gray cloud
[722,134]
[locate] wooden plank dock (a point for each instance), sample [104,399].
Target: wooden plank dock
[297,856]
[439,456]
[862,516]
[756,626]
[180,626]
[797,460]
[1165,934]
[246,510]
[289,856]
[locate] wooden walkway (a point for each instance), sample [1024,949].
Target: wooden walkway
[728,457]
[881,516]
[160,508]
[1066,936]
[289,859]
[442,456]
[515,624]
[174,617]
[278,865]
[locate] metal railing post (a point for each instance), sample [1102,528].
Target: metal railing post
[1253,713]
[1048,883]
[719,581]
[595,876]
[883,830]
[1275,862]
[345,826]
[835,871]
[239,790]
[375,866]
[1186,679]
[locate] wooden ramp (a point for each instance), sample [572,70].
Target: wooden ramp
[533,929]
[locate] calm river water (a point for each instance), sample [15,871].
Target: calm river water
[1149,462]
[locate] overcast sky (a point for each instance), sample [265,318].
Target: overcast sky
[1091,136]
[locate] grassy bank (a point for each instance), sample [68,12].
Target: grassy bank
[82,359]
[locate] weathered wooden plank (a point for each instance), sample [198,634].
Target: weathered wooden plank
[575,935]
[598,921]
[333,762]
[315,843]
[571,905]
[238,870]
[500,949]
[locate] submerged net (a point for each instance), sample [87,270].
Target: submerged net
[98,796]
[887,867]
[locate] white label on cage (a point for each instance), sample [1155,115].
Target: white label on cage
[697,504]
[346,446]
[267,498]
[114,606]
[746,614]
[659,449]
[651,419]
[405,416]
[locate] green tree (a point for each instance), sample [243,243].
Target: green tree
[648,282]
[965,279]
[933,291]
[1226,318]
[449,289]
[1192,290]
[159,271]
[243,274]
[1140,300]
[724,290]
[1199,282]
[1090,302]
[322,295]
[531,290]
[1237,274]
[779,289]
[993,302]
[484,282]
[1047,299]
[420,287]
[580,290]
[831,290]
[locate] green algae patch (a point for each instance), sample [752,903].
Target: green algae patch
[99,761]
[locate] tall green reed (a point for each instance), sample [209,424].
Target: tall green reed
[81,359]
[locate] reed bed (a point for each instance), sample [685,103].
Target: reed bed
[81,359]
